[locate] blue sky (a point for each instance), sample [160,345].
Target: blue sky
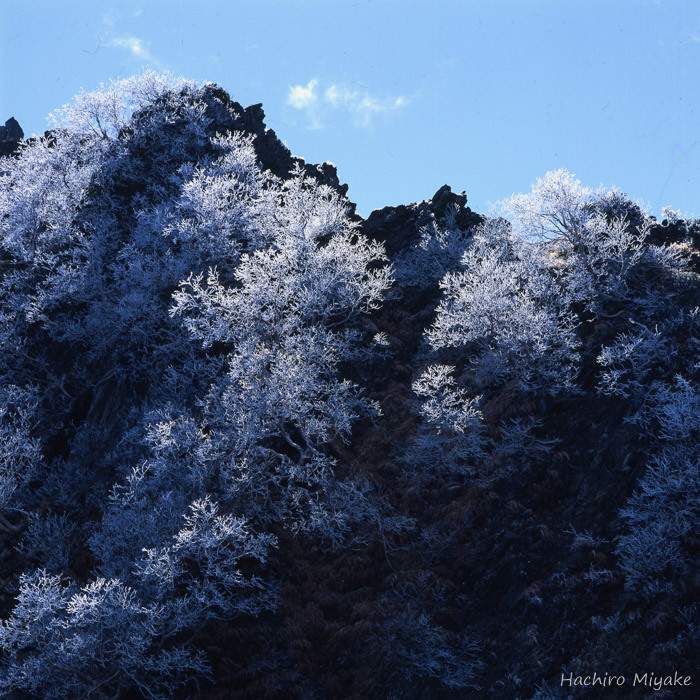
[405,96]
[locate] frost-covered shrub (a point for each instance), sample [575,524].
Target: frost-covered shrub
[197,575]
[437,252]
[629,359]
[674,411]
[70,271]
[595,238]
[145,509]
[20,451]
[653,366]
[608,251]
[411,648]
[418,649]
[453,441]
[671,215]
[512,312]
[504,318]
[39,193]
[47,541]
[664,512]
[507,311]
[106,111]
[662,515]
[183,429]
[315,271]
[123,631]
[45,255]
[226,206]
[66,641]
[642,356]
[557,208]
[517,437]
[289,315]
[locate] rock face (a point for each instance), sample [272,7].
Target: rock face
[682,234]
[228,115]
[10,136]
[400,226]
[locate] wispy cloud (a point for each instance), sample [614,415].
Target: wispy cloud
[362,106]
[137,47]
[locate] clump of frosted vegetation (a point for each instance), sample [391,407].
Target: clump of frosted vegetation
[505,307]
[587,233]
[438,251]
[410,645]
[71,641]
[655,370]
[663,513]
[21,455]
[216,320]
[514,305]
[671,215]
[106,111]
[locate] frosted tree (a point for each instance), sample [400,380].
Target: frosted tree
[507,308]
[226,205]
[290,316]
[505,316]
[596,238]
[438,251]
[106,111]
[21,454]
[512,311]
[91,641]
[664,511]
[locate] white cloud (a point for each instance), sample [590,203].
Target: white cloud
[302,97]
[332,95]
[136,46]
[355,101]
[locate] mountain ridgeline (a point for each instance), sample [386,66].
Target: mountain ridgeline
[253,445]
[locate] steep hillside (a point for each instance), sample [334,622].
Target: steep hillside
[254,446]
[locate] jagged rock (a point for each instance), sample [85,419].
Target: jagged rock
[10,136]
[680,232]
[399,227]
[675,232]
[226,115]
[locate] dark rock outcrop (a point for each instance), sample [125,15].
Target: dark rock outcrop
[10,136]
[682,233]
[228,116]
[399,227]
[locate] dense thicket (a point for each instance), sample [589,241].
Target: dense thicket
[253,446]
